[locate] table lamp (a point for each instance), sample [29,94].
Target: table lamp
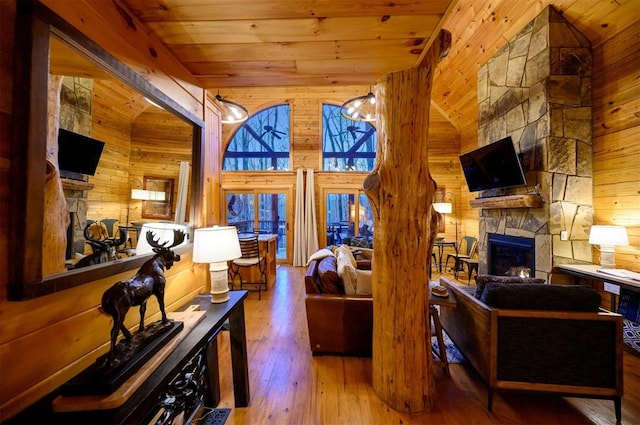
[608,237]
[216,245]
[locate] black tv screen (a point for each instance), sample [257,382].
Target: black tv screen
[78,153]
[494,166]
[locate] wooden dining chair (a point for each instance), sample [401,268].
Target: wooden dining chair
[251,257]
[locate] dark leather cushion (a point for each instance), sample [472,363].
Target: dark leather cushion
[482,280]
[541,297]
[330,281]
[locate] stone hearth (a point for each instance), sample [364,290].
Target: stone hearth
[537,90]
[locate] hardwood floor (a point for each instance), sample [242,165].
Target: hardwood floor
[289,386]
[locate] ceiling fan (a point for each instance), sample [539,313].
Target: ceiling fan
[273,131]
[352,129]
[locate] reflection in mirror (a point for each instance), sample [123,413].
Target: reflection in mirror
[140,139]
[157,197]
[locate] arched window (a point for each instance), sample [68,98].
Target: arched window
[346,145]
[261,143]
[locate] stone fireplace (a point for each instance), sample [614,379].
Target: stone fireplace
[537,90]
[75,115]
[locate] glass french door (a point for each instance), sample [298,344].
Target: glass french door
[348,218]
[256,211]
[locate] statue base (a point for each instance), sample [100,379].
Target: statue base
[103,377]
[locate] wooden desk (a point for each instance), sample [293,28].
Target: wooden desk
[590,272]
[198,351]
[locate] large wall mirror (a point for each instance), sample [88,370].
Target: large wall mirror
[144,139]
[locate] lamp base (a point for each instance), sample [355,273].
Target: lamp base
[607,258]
[219,282]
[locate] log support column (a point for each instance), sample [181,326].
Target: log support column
[400,190]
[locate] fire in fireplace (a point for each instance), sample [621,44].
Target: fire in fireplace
[511,255]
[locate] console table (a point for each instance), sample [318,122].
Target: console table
[590,272]
[189,374]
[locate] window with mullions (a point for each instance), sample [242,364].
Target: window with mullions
[261,143]
[346,145]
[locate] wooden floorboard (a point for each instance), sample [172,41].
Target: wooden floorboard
[290,386]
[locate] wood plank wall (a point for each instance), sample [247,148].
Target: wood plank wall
[306,128]
[47,340]
[139,142]
[159,142]
[111,123]
[616,139]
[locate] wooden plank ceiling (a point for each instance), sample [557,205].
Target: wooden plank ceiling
[266,43]
[232,43]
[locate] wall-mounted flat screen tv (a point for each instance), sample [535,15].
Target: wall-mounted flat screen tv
[494,166]
[77,153]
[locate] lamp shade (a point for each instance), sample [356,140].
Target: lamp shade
[443,207]
[148,195]
[162,232]
[361,108]
[216,244]
[232,113]
[608,236]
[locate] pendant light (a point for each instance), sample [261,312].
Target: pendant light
[361,108]
[232,113]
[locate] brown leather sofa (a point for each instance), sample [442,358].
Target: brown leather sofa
[338,323]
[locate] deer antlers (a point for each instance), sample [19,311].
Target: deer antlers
[178,238]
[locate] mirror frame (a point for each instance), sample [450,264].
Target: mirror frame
[35,24]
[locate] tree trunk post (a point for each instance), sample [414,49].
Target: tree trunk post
[400,190]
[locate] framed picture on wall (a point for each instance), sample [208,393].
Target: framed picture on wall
[159,197]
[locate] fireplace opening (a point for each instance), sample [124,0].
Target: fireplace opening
[511,255]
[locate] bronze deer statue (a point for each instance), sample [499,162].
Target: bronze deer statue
[149,280]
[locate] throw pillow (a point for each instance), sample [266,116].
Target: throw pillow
[482,280]
[364,282]
[347,251]
[541,297]
[348,274]
[330,281]
[320,254]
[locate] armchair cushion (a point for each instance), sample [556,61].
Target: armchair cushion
[541,297]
